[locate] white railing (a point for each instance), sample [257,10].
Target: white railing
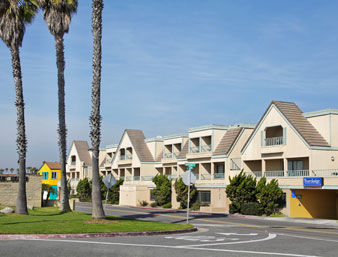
[205,176]
[325,173]
[274,173]
[147,178]
[254,173]
[125,157]
[173,177]
[129,178]
[205,148]
[136,178]
[274,141]
[298,173]
[219,176]
[168,155]
[121,177]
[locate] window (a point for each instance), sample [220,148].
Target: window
[44,175]
[295,165]
[204,196]
[73,161]
[54,175]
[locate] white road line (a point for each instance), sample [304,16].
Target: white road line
[313,238]
[236,234]
[212,225]
[271,236]
[173,247]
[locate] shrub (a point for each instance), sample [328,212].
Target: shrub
[196,206]
[84,190]
[251,208]
[269,195]
[167,205]
[153,204]
[242,189]
[143,203]
[162,191]
[182,193]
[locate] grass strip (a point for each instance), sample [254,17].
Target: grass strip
[49,220]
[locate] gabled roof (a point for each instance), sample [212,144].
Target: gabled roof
[184,151]
[295,117]
[53,165]
[137,140]
[227,141]
[82,148]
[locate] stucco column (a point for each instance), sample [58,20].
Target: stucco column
[285,164]
[263,167]
[212,172]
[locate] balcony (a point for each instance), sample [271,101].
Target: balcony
[325,173]
[205,177]
[125,157]
[199,151]
[219,176]
[274,173]
[147,178]
[298,173]
[73,163]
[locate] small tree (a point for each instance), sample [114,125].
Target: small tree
[162,192]
[114,192]
[242,189]
[269,195]
[182,193]
[84,190]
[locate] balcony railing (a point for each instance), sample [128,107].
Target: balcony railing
[170,155]
[205,176]
[122,177]
[205,148]
[254,173]
[219,176]
[298,173]
[325,173]
[274,141]
[73,163]
[172,177]
[147,178]
[136,178]
[125,157]
[129,178]
[275,173]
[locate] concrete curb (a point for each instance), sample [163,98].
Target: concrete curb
[94,235]
[171,210]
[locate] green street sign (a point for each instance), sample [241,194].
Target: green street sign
[190,165]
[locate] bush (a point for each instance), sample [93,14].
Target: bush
[182,193]
[162,191]
[269,195]
[153,204]
[84,190]
[167,205]
[143,203]
[242,189]
[114,192]
[196,206]
[251,208]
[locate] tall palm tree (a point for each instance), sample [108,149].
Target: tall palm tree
[57,15]
[95,117]
[14,15]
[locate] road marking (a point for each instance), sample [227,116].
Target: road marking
[198,238]
[210,225]
[269,237]
[309,230]
[173,247]
[313,238]
[229,234]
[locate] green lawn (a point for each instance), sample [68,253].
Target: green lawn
[49,220]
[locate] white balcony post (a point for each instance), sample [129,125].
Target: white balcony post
[212,171]
[200,144]
[263,167]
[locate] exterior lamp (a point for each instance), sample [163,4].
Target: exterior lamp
[332,158]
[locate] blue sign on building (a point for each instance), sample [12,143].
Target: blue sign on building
[313,182]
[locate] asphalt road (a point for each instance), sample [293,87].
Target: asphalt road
[218,235]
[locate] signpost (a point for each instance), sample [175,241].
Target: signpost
[109,181]
[189,179]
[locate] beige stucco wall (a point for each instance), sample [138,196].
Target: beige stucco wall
[9,191]
[131,195]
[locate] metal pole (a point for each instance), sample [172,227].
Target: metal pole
[107,196]
[188,196]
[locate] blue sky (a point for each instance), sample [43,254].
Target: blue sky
[172,65]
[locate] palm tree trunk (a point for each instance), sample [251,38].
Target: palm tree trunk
[21,142]
[62,131]
[95,117]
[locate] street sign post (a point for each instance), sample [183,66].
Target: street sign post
[109,181]
[189,179]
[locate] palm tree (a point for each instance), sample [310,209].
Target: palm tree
[95,117]
[14,15]
[57,15]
